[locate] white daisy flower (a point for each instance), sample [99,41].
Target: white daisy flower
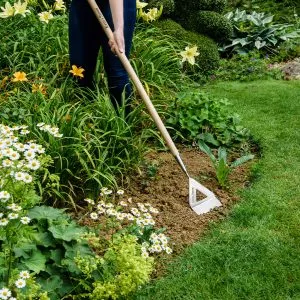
[120,216]
[135,212]
[168,250]
[14,155]
[108,205]
[90,201]
[27,178]
[145,254]
[1,215]
[6,163]
[40,149]
[107,192]
[4,195]
[24,131]
[94,216]
[32,146]
[101,210]
[20,147]
[20,283]
[111,212]
[120,192]
[5,293]
[3,222]
[123,203]
[130,217]
[40,124]
[14,207]
[24,274]
[13,216]
[25,220]
[29,154]
[33,164]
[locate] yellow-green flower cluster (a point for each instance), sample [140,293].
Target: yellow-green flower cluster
[20,8]
[151,15]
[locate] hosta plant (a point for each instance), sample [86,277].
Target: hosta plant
[257,31]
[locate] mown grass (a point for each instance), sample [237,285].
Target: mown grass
[255,253]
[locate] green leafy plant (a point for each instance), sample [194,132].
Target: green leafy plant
[198,116]
[220,163]
[246,67]
[257,31]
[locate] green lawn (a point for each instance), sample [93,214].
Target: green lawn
[255,253]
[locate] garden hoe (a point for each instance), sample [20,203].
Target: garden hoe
[199,206]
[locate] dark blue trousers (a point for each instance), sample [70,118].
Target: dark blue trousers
[86,37]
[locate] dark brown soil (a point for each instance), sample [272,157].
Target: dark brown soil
[166,188]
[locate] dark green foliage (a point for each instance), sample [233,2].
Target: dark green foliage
[246,67]
[212,24]
[198,116]
[212,5]
[208,59]
[168,6]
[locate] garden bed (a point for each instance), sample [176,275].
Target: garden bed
[167,190]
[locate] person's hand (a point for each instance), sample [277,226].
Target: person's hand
[117,43]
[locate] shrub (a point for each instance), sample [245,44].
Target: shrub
[212,5]
[208,59]
[168,6]
[212,24]
[198,116]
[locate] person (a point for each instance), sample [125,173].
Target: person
[86,37]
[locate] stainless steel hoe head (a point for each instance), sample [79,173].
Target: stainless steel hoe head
[204,205]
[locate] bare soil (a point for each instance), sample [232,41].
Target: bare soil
[163,184]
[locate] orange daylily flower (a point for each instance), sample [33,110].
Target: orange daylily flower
[19,76]
[77,71]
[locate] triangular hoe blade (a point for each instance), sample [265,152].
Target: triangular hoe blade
[204,205]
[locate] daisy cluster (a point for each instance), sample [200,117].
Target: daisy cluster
[20,283]
[18,162]
[20,8]
[140,215]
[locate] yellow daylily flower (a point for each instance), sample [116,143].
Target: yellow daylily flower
[21,8]
[77,71]
[38,88]
[140,4]
[152,14]
[45,16]
[7,11]
[189,54]
[59,5]
[19,76]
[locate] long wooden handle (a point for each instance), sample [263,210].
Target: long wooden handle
[136,81]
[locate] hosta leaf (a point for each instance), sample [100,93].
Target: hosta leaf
[36,262]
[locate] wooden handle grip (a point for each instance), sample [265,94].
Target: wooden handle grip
[156,118]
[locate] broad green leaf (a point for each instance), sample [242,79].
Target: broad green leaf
[44,239]
[57,255]
[46,212]
[36,262]
[66,232]
[24,250]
